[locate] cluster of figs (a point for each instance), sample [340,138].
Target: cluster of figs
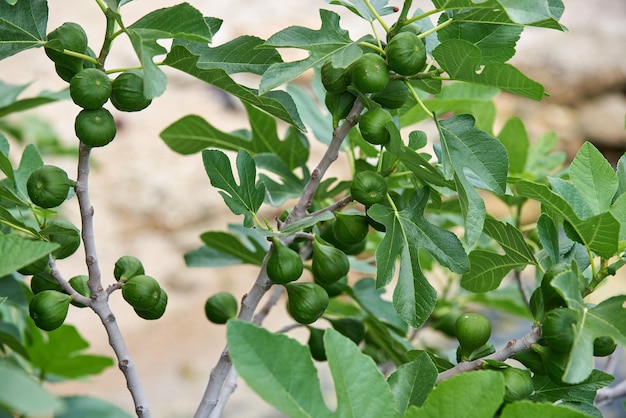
[90,87]
[50,303]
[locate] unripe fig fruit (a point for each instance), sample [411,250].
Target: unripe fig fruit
[336,288]
[352,328]
[554,362]
[284,265]
[370,73]
[141,292]
[44,281]
[126,267]
[326,233]
[35,267]
[472,331]
[329,264]
[306,302]
[372,125]
[69,36]
[65,234]
[406,54]
[604,346]
[156,311]
[221,307]
[558,329]
[127,92]
[518,384]
[551,297]
[79,283]
[48,309]
[316,344]
[339,105]
[48,186]
[411,27]
[90,88]
[335,80]
[368,187]
[393,96]
[350,229]
[95,127]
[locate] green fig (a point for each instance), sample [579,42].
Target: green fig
[329,264]
[472,330]
[65,234]
[80,284]
[368,188]
[316,344]
[350,228]
[127,94]
[406,54]
[44,281]
[284,265]
[221,307]
[156,311]
[48,186]
[558,329]
[604,346]
[353,328]
[373,126]
[551,297]
[126,267]
[306,302]
[393,96]
[335,80]
[518,384]
[141,292]
[48,309]
[90,88]
[370,73]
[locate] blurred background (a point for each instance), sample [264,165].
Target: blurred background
[153,204]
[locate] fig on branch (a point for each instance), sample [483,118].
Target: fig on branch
[90,88]
[518,384]
[551,297]
[368,187]
[604,346]
[284,265]
[353,328]
[369,73]
[141,292]
[48,186]
[406,54]
[316,344]
[329,264]
[373,126]
[127,93]
[35,267]
[472,330]
[350,229]
[48,309]
[306,302]
[156,311]
[65,234]
[79,283]
[95,127]
[221,307]
[335,80]
[126,267]
[558,329]
[69,36]
[339,105]
[393,96]
[44,281]
[336,288]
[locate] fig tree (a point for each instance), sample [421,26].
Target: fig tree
[127,92]
[90,88]
[368,187]
[472,331]
[306,302]
[373,126]
[284,265]
[221,307]
[329,264]
[406,54]
[141,292]
[48,186]
[95,127]
[370,73]
[48,309]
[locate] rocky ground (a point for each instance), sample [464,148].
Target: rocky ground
[153,204]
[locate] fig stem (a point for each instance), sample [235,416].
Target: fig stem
[376,15]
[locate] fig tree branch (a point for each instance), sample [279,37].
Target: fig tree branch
[76,297]
[511,348]
[99,297]
[214,390]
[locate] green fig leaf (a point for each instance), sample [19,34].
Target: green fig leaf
[21,393]
[18,252]
[22,26]
[524,409]
[412,382]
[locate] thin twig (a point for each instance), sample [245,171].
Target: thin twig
[99,296]
[67,288]
[511,348]
[211,398]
